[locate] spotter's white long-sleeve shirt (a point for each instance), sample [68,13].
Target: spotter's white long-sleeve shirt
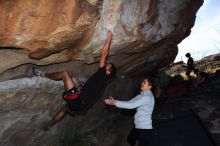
[144,103]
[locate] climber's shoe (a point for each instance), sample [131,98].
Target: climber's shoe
[38,72]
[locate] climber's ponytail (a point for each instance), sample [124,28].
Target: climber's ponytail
[155,88]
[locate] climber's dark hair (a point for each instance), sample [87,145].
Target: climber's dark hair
[112,70]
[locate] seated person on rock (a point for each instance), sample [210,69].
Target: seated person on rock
[80,102]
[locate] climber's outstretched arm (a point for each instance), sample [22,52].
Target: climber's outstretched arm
[105,49]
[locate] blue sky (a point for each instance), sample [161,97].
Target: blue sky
[205,35]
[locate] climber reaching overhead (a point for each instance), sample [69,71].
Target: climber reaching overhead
[80,102]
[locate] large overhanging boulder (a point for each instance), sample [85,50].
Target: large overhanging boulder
[145,33]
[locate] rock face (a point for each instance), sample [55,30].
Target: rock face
[53,31]
[69,34]
[146,32]
[26,106]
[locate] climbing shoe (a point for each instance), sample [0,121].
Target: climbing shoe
[37,72]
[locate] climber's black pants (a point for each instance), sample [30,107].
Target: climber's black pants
[143,137]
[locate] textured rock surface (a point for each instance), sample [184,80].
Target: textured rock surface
[146,32]
[26,106]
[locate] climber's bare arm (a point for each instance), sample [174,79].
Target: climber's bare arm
[105,49]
